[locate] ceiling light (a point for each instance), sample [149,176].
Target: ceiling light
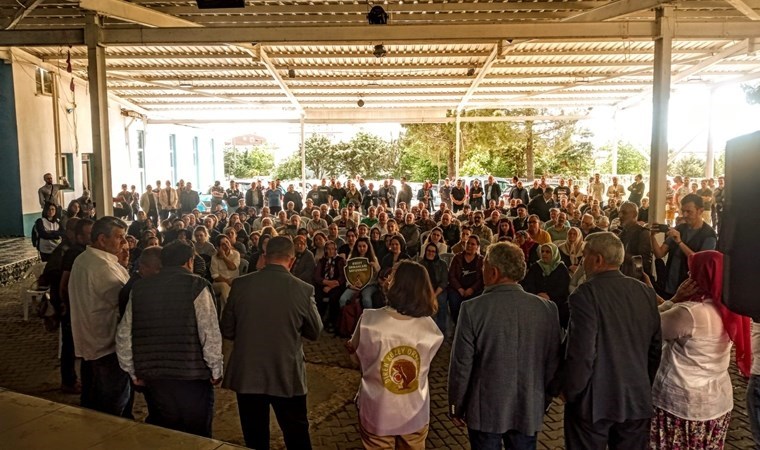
[360,103]
[379,51]
[377,16]
[185,84]
[470,71]
[291,73]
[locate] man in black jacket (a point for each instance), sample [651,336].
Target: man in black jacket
[169,342]
[541,205]
[613,352]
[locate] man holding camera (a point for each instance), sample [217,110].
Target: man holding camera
[691,236]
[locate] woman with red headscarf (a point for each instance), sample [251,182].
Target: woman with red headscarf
[692,391]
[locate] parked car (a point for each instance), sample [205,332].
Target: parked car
[205,204]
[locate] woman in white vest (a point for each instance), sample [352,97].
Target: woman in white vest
[48,231]
[394,346]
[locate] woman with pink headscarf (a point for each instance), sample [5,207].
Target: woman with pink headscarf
[692,391]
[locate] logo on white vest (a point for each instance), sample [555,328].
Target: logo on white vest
[400,370]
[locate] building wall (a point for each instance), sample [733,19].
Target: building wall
[10,182]
[27,137]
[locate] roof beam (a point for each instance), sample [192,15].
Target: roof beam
[278,78]
[26,9]
[479,78]
[131,12]
[615,9]
[744,8]
[390,34]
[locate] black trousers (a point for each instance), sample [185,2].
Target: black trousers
[290,413]
[182,405]
[105,387]
[68,358]
[582,434]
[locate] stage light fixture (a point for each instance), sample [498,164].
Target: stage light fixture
[291,73]
[220,4]
[379,51]
[377,16]
[470,71]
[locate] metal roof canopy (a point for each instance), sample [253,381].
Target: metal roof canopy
[312,61]
[180,63]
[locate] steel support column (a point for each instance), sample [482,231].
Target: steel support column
[660,102]
[457,143]
[102,192]
[710,160]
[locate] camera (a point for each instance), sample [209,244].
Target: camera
[659,227]
[638,267]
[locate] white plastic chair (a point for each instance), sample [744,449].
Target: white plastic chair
[29,292]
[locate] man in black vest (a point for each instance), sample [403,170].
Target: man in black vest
[168,341]
[691,236]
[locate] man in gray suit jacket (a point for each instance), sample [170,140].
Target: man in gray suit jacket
[266,315]
[613,352]
[505,354]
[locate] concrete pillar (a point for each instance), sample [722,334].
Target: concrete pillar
[710,162]
[660,101]
[102,192]
[457,144]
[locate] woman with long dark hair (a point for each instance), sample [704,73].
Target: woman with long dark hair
[394,346]
[438,271]
[329,284]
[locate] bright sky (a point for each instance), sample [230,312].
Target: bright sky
[689,118]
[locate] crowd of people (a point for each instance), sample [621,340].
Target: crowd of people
[547,291]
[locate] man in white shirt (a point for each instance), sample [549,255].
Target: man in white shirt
[94,284]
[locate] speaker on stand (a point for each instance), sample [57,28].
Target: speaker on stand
[739,238]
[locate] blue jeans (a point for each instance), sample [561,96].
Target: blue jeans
[366,296]
[480,440]
[753,407]
[442,314]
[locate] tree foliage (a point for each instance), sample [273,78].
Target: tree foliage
[689,166]
[631,161]
[720,164]
[752,93]
[289,168]
[497,147]
[258,161]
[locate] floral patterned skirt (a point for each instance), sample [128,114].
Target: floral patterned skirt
[669,432]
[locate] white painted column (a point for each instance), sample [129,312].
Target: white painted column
[660,101]
[102,192]
[457,144]
[710,162]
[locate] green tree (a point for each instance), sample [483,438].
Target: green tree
[364,155]
[321,156]
[258,161]
[752,93]
[690,166]
[630,160]
[720,165]
[289,168]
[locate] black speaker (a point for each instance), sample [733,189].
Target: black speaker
[220,4]
[738,232]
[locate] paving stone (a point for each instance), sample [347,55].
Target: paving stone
[29,364]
